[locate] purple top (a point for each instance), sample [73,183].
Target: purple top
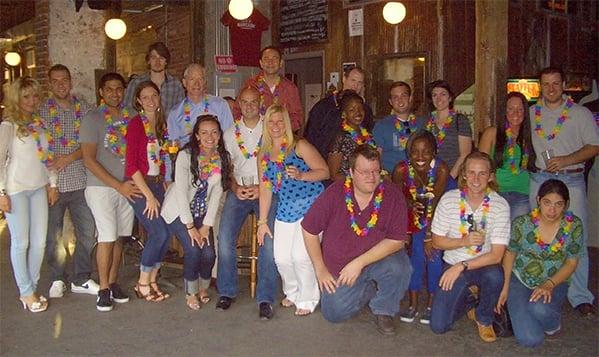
[340,244]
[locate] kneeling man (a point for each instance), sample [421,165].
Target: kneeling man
[363,222]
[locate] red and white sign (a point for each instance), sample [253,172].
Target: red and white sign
[225,64]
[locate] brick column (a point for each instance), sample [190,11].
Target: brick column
[42,30]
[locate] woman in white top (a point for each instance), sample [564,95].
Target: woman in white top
[26,186]
[202,174]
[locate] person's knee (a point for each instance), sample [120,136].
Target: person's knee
[493,277]
[333,312]
[540,310]
[439,325]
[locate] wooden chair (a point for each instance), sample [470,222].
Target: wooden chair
[247,251]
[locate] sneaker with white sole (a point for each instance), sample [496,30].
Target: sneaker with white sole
[117,294]
[89,287]
[57,289]
[408,315]
[104,302]
[425,318]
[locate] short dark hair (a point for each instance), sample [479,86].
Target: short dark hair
[346,97]
[421,134]
[111,76]
[365,150]
[440,83]
[554,186]
[161,49]
[400,84]
[274,48]
[349,69]
[59,67]
[552,70]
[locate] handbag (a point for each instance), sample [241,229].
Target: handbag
[502,324]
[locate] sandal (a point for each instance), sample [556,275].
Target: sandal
[204,298]
[149,296]
[287,303]
[302,312]
[35,306]
[192,302]
[154,286]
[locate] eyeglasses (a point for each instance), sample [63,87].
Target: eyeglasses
[558,204]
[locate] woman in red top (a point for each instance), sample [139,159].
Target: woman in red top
[146,164]
[423,179]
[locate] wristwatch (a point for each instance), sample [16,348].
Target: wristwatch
[465,264]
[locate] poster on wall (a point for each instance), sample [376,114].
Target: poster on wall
[356,22]
[303,21]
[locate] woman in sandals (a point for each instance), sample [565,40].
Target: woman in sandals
[202,174]
[148,165]
[26,186]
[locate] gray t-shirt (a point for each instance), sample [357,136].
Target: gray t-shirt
[578,130]
[450,148]
[93,131]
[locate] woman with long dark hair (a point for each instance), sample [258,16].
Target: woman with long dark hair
[509,144]
[202,174]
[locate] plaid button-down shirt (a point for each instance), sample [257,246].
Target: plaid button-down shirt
[72,177]
[171,91]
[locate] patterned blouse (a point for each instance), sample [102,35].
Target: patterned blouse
[534,265]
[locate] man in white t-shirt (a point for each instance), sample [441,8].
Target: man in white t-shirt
[472,225]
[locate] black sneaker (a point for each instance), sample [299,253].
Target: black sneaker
[266,312]
[104,303]
[224,303]
[118,295]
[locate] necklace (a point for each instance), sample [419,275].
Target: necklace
[421,222]
[566,231]
[362,138]
[560,121]
[374,216]
[262,85]
[45,155]
[511,145]
[114,139]
[464,220]
[209,165]
[432,126]
[57,126]
[187,112]
[279,167]
[153,141]
[405,129]
[241,143]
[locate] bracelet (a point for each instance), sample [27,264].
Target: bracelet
[428,240]
[190,228]
[261,222]
[552,282]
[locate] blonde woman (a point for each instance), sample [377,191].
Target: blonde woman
[26,186]
[292,169]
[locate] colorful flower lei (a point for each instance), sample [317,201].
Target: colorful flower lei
[187,112]
[560,121]
[363,138]
[431,126]
[403,128]
[374,216]
[279,167]
[209,166]
[566,231]
[421,222]
[45,155]
[464,220]
[511,144]
[153,141]
[114,139]
[57,127]
[240,142]
[262,85]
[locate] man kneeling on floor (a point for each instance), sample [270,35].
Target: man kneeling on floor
[363,222]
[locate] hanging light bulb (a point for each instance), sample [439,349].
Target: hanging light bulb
[12,58]
[115,29]
[241,9]
[394,12]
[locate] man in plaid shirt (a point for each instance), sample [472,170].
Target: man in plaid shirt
[62,114]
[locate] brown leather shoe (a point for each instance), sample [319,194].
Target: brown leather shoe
[486,333]
[585,309]
[384,324]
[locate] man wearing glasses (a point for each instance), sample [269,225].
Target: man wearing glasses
[363,224]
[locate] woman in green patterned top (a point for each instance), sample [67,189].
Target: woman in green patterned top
[542,255]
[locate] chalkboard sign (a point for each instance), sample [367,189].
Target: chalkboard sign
[303,21]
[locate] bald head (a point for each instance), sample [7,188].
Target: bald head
[249,102]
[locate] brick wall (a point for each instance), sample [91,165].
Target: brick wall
[42,30]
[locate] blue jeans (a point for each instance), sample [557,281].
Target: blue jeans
[85,231]
[519,203]
[381,285]
[530,320]
[28,224]
[578,292]
[420,263]
[157,243]
[197,262]
[234,214]
[449,306]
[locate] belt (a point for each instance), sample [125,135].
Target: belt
[561,172]
[153,179]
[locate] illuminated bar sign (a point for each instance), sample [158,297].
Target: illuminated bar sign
[531,88]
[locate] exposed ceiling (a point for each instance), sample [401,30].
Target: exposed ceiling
[15,12]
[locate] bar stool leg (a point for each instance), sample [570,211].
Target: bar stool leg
[253,257]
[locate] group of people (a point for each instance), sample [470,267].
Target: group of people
[354,213]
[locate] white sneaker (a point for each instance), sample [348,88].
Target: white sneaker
[57,289]
[89,287]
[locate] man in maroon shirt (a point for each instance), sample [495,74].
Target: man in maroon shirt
[363,222]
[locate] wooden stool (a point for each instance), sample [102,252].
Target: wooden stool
[247,251]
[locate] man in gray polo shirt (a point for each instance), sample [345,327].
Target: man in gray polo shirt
[564,137]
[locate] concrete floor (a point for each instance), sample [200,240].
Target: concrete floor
[72,326]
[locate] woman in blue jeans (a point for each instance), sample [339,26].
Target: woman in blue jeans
[146,163]
[26,186]
[541,257]
[202,174]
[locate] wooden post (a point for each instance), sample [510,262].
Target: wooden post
[197,31]
[491,63]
